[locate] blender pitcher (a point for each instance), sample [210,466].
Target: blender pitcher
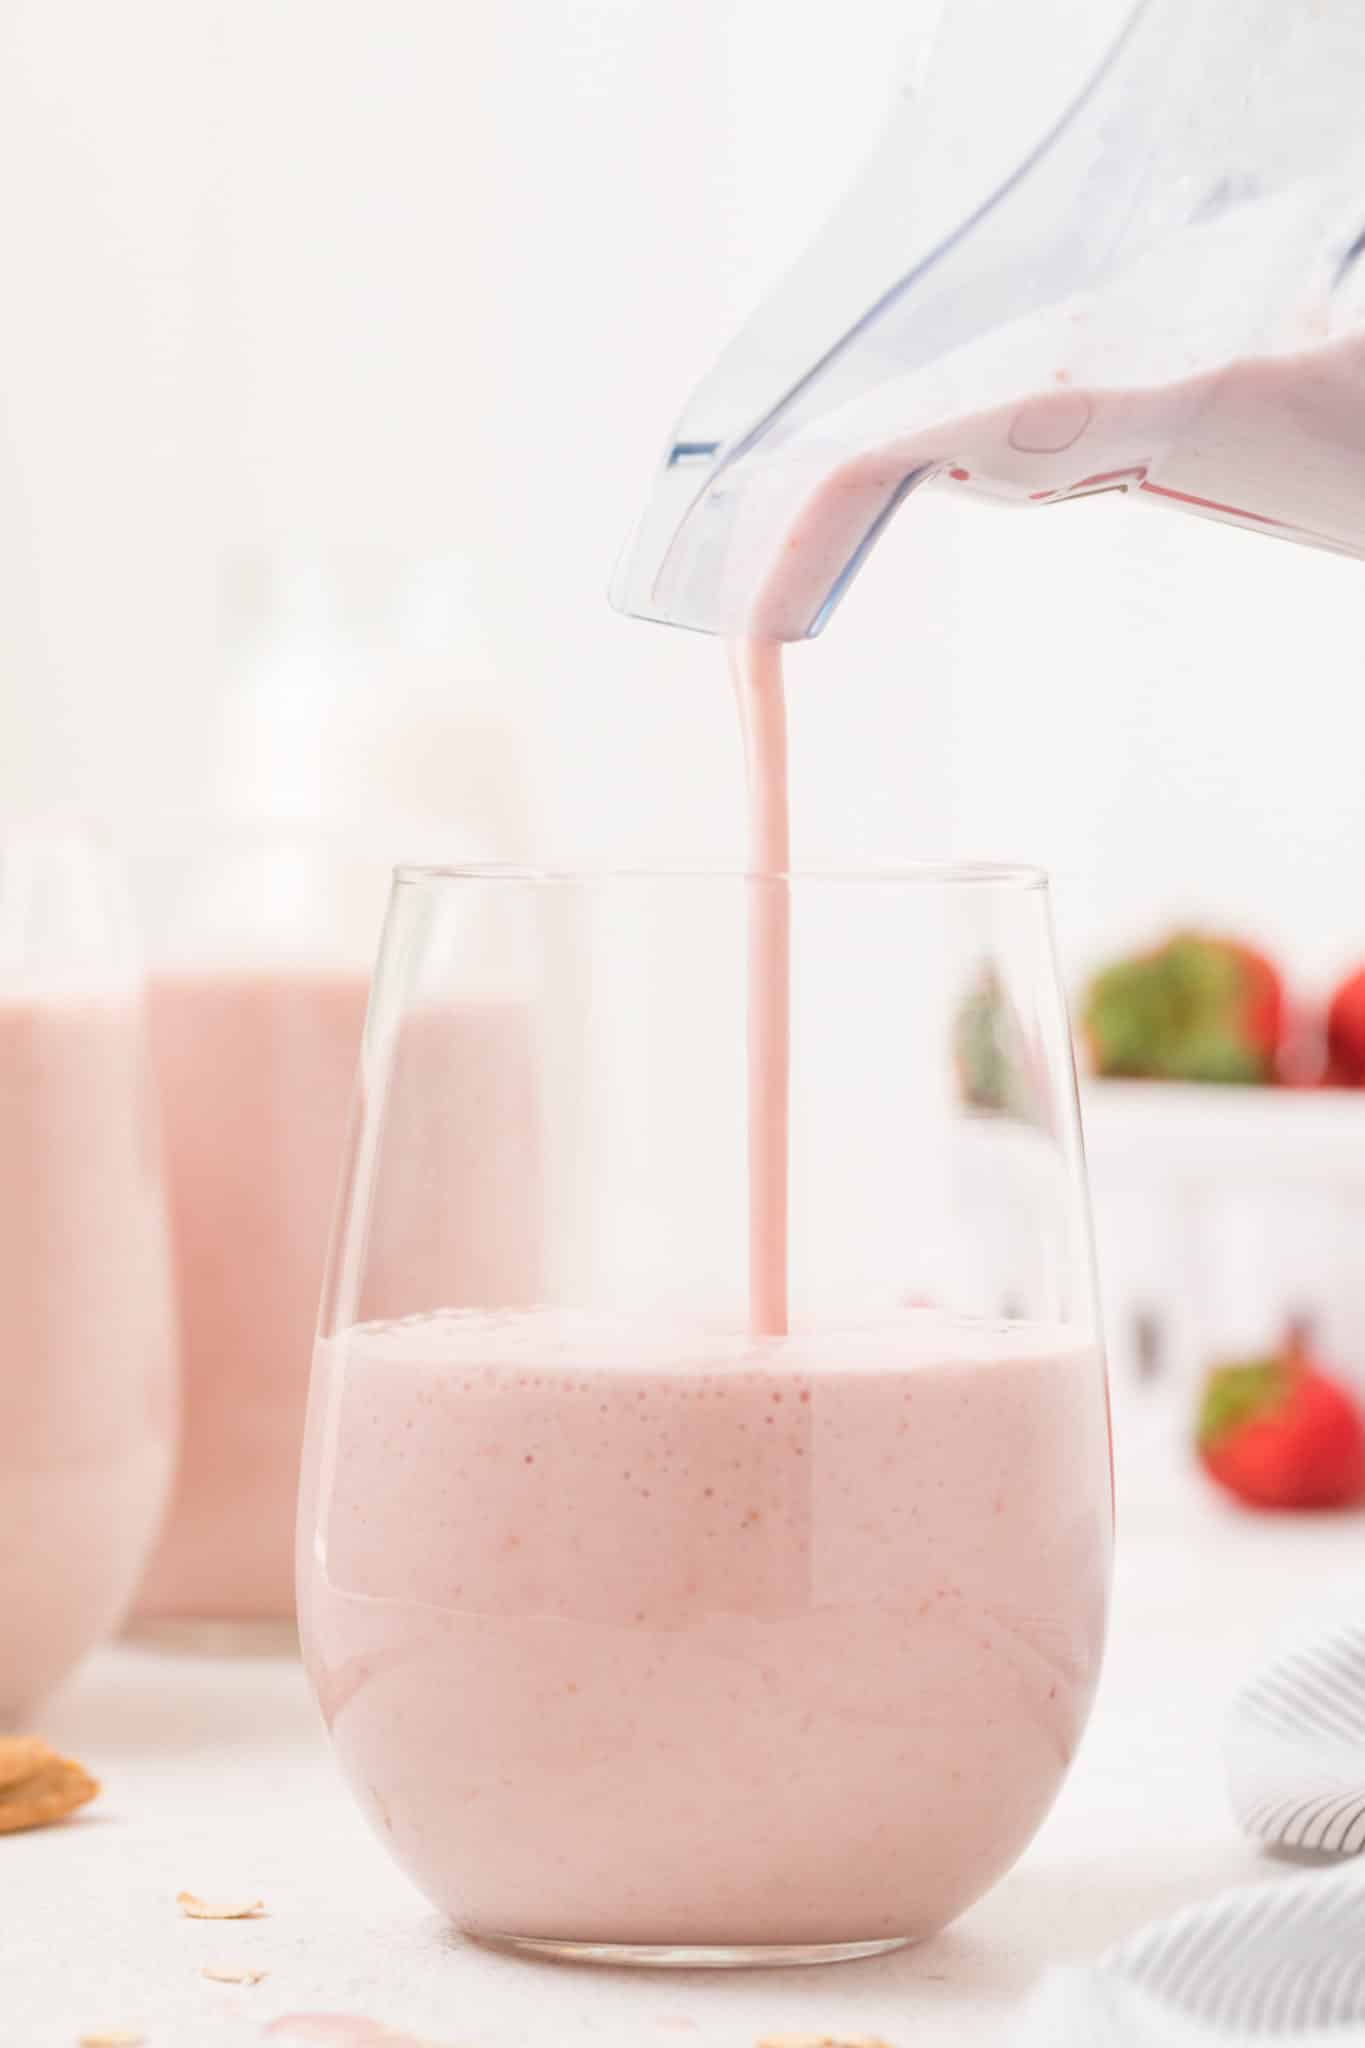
[1165,297]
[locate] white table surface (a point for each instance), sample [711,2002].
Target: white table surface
[217,1780]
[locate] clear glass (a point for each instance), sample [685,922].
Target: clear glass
[639,1637]
[1192,207]
[87,1370]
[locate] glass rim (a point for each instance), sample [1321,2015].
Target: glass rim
[1008,875]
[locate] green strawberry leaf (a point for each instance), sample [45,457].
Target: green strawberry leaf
[1235,1394]
[1175,1014]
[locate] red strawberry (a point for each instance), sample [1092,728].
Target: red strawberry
[1262,998]
[1301,1061]
[1346,1032]
[1280,1433]
[1195,1009]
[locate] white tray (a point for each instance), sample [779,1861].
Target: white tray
[1221,1215]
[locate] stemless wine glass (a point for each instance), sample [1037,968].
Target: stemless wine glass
[641,1636]
[87,1366]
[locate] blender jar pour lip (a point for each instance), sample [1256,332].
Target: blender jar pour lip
[1250,199]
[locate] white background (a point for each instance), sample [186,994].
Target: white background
[434,276]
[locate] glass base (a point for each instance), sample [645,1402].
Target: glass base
[193,1636]
[665,1955]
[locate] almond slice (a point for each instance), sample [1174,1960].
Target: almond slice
[229,1976]
[821,2041]
[37,1786]
[20,1756]
[113,2037]
[200,1909]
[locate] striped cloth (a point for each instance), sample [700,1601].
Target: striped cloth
[1282,1960]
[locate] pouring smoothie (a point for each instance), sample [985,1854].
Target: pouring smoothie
[681,1620]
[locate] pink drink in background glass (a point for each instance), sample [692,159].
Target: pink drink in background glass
[87,1368]
[640,1634]
[256,1070]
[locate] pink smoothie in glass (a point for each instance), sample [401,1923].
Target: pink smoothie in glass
[87,1387]
[639,1633]
[256,1071]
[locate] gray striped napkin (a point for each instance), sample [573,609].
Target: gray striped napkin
[1296,1747]
[1279,1960]
[1268,1961]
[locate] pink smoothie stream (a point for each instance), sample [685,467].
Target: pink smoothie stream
[638,1633]
[756,666]
[256,1071]
[87,1385]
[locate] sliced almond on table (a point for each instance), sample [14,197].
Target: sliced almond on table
[37,1786]
[230,1976]
[20,1756]
[821,2041]
[200,1909]
[113,2037]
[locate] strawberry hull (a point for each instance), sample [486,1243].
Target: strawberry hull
[1280,1433]
[1194,1009]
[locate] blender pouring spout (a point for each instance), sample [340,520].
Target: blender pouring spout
[1162,297]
